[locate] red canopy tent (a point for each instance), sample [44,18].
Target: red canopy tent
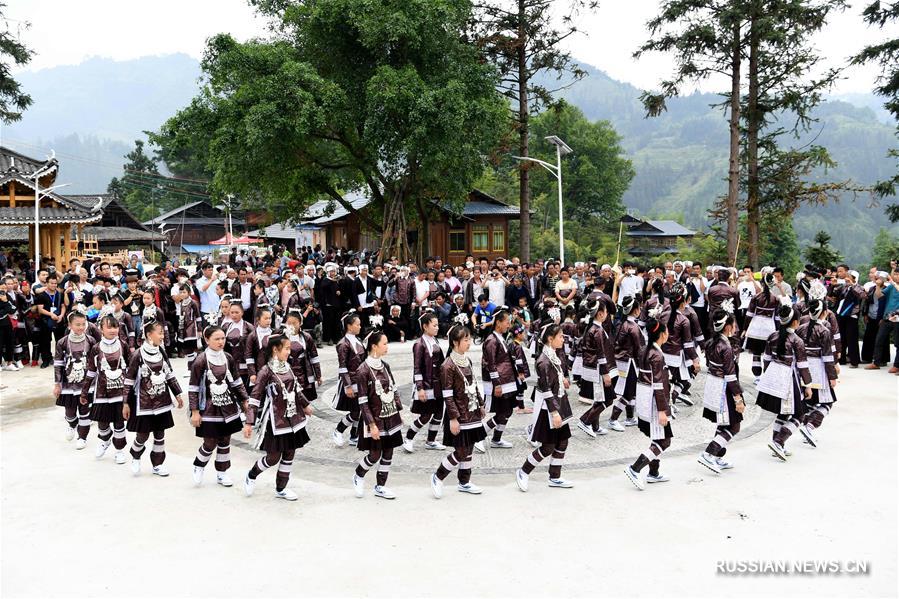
[228,240]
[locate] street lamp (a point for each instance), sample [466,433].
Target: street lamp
[561,150]
[164,232]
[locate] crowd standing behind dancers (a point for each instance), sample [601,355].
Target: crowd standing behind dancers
[630,337]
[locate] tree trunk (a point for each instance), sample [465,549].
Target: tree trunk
[524,191]
[424,232]
[753,215]
[393,240]
[733,174]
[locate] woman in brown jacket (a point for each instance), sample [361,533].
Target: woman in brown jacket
[653,390]
[780,388]
[278,400]
[552,412]
[380,429]
[213,393]
[462,424]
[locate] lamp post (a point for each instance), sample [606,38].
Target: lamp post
[561,150]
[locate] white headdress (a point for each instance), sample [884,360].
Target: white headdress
[817,290]
[728,305]
[376,320]
[655,312]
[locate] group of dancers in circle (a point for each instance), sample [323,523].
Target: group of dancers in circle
[262,382]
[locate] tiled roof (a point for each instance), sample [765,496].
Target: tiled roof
[24,215]
[275,231]
[27,166]
[122,234]
[326,211]
[659,228]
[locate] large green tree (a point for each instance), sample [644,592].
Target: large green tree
[595,176]
[525,39]
[785,83]
[383,96]
[13,99]
[886,54]
[706,38]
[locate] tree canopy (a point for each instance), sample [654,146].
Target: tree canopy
[381,96]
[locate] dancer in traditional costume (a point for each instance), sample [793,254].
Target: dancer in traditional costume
[380,429]
[653,410]
[104,388]
[427,400]
[499,379]
[215,393]
[722,397]
[462,424]
[69,373]
[599,370]
[629,343]
[350,355]
[552,413]
[760,322]
[820,351]
[278,406]
[149,409]
[780,388]
[303,358]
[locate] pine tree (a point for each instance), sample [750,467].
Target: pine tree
[822,254]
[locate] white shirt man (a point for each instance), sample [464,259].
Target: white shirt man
[631,284]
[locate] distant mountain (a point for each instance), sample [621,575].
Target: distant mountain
[681,158]
[91,113]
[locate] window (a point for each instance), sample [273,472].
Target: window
[499,240]
[457,240]
[479,238]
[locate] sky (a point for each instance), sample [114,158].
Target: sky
[65,32]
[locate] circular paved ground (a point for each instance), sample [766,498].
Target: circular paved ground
[691,431]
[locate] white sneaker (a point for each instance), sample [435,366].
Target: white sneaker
[658,478]
[359,486]
[80,443]
[723,464]
[408,446]
[809,436]
[135,466]
[102,446]
[435,446]
[480,447]
[436,486]
[684,397]
[501,444]
[286,494]
[560,483]
[354,441]
[160,470]
[249,485]
[19,364]
[600,431]
[11,367]
[522,479]
[470,488]
[778,450]
[709,462]
[120,456]
[535,444]
[630,422]
[588,430]
[584,400]
[223,479]
[198,475]
[635,479]
[756,380]
[70,432]
[384,492]
[337,438]
[616,426]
